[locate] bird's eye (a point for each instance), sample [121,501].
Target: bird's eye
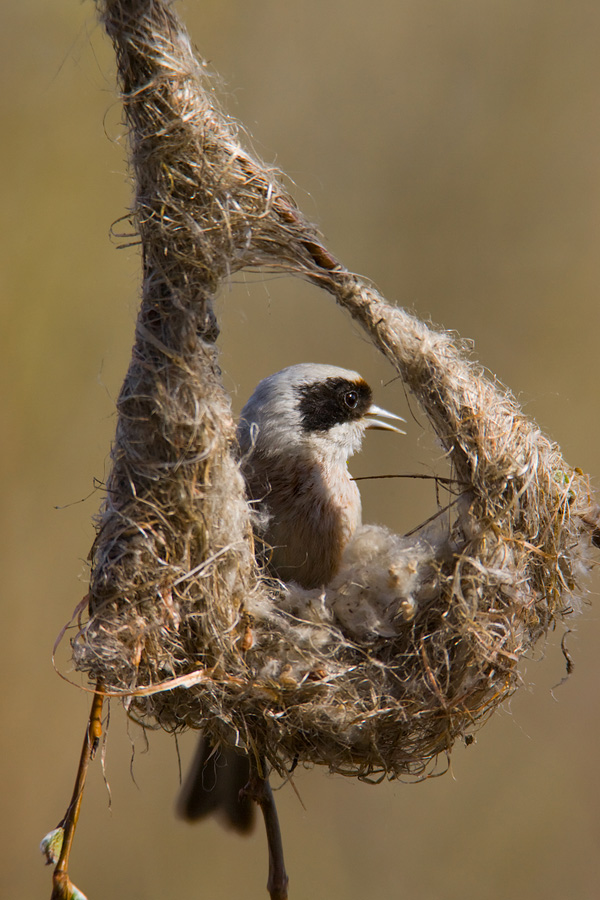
[351,399]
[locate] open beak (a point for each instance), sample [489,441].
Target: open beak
[373,421]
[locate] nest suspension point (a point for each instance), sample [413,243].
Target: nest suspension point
[417,638]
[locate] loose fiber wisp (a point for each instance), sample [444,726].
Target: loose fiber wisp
[418,637]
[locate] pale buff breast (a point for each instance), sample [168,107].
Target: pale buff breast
[313,511]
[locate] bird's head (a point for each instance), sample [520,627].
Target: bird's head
[311,409]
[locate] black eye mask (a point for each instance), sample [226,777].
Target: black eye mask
[333,401]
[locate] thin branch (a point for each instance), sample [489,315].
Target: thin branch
[62,888]
[261,792]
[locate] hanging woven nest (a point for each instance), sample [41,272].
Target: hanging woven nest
[417,638]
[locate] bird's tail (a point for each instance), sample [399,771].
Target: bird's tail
[214,785]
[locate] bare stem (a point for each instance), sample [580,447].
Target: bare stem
[61,884]
[260,791]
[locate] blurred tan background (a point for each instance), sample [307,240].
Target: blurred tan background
[450,150]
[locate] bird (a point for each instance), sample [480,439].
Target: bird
[296,434]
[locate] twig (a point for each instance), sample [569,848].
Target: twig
[261,792]
[62,889]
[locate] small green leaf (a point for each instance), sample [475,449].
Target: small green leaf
[75,893]
[51,845]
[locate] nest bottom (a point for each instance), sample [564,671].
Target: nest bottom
[411,646]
